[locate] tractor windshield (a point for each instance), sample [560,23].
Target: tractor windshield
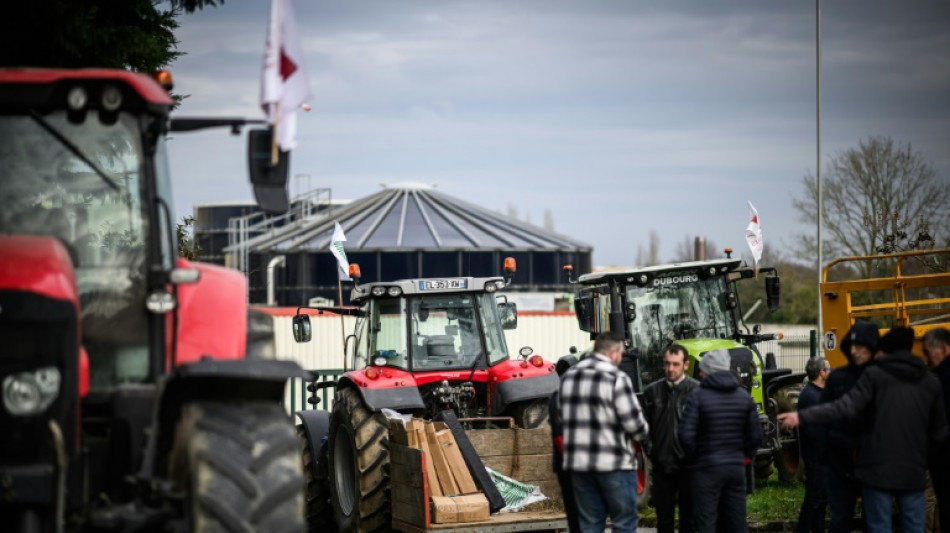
[448,331]
[673,311]
[80,182]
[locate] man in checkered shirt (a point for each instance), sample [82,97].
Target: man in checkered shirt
[602,418]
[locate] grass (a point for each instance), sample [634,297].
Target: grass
[772,501]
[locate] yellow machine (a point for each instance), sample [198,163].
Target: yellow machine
[915,294]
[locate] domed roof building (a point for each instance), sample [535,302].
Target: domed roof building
[406,230]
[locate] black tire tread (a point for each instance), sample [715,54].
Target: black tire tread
[319,512]
[371,432]
[240,474]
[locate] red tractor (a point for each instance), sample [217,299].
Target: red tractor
[420,346]
[131,399]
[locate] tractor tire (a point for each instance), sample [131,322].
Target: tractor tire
[787,460]
[788,463]
[644,482]
[530,414]
[319,512]
[763,468]
[359,465]
[239,467]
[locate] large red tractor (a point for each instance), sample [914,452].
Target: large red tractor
[131,401]
[420,346]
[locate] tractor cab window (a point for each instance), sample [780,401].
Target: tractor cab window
[388,333]
[675,312]
[491,326]
[80,182]
[444,332]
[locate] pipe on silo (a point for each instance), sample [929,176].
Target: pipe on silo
[280,260]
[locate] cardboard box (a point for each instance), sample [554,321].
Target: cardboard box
[459,509]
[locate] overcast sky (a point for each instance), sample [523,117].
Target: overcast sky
[618,116]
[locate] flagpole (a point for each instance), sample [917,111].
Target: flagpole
[339,295]
[274,157]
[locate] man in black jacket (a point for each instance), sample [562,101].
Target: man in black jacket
[858,346]
[811,517]
[902,408]
[719,431]
[663,405]
[937,356]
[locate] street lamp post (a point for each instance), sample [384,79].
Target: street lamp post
[818,145]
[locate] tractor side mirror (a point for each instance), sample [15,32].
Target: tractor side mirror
[509,315]
[584,311]
[301,326]
[269,179]
[773,292]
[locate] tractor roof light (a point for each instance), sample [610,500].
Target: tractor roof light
[355,272]
[491,287]
[379,291]
[510,266]
[164,78]
[111,98]
[77,98]
[394,291]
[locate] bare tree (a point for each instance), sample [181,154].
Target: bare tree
[881,196]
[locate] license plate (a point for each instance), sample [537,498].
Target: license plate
[441,284]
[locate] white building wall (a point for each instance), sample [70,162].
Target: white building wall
[549,334]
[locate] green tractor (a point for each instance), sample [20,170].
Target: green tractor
[696,305]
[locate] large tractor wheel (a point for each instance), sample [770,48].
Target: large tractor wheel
[319,511]
[240,468]
[788,463]
[530,414]
[643,477]
[359,465]
[787,459]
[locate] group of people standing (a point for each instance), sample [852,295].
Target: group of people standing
[700,435]
[874,429]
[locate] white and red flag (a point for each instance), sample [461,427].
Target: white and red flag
[753,235]
[284,83]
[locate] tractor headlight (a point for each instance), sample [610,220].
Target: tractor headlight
[30,393]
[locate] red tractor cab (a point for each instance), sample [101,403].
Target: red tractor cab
[126,379]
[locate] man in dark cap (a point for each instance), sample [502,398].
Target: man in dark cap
[901,405]
[719,431]
[842,440]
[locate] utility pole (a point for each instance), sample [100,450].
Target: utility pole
[818,147]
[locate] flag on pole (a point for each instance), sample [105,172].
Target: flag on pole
[753,235]
[284,82]
[336,247]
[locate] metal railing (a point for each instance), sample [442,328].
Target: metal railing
[297,393]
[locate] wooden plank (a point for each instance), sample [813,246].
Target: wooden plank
[432,478]
[497,523]
[475,465]
[399,434]
[409,487]
[446,479]
[488,442]
[455,461]
[523,468]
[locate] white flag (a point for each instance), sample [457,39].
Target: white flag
[336,247]
[753,234]
[284,82]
